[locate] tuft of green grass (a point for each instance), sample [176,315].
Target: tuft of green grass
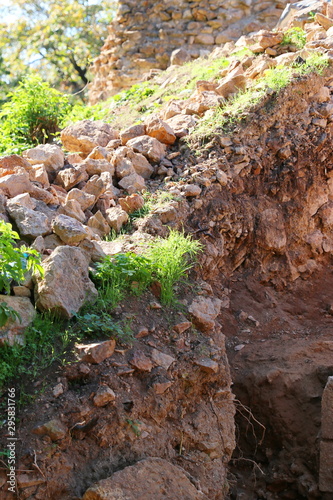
[172,258]
[166,260]
[118,275]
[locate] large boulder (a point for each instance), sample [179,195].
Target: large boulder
[149,479]
[69,177]
[133,183]
[204,311]
[11,162]
[85,135]
[65,286]
[155,127]
[116,217]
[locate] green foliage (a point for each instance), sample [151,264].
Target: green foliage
[122,273]
[58,38]
[15,261]
[166,261]
[134,425]
[31,116]
[171,259]
[39,351]
[294,36]
[86,112]
[135,94]
[101,323]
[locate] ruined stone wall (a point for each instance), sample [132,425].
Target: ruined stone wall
[145,33]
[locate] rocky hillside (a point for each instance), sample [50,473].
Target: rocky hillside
[241,160]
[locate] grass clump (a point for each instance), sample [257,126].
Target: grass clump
[32,115]
[166,261]
[118,275]
[171,260]
[49,339]
[39,351]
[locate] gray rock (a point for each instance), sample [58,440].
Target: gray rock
[69,230]
[30,223]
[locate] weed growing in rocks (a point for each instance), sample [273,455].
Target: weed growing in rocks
[101,323]
[39,351]
[117,275]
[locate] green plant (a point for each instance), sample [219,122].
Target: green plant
[7,313]
[135,94]
[134,425]
[32,115]
[294,36]
[171,259]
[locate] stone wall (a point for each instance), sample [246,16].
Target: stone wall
[145,33]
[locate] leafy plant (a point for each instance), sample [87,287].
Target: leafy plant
[166,260]
[294,36]
[134,425]
[32,115]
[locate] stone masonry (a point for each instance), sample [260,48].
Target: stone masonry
[145,33]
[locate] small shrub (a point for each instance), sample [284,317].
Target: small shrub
[101,323]
[31,116]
